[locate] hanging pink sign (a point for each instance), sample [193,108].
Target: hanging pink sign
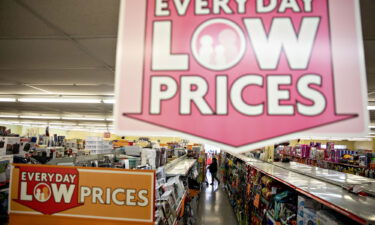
[240,73]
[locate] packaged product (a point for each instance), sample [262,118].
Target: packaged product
[309,216]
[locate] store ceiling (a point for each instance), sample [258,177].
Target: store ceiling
[67,47]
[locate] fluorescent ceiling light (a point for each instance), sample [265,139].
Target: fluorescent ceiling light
[73,127]
[39,123]
[41,117]
[359,139]
[371,126]
[9,122]
[8,116]
[109,119]
[56,127]
[371,107]
[7,100]
[67,124]
[93,125]
[83,118]
[60,100]
[109,101]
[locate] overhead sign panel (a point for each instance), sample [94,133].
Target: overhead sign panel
[241,74]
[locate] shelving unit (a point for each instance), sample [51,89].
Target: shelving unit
[325,161]
[96,145]
[179,207]
[180,168]
[358,208]
[345,180]
[183,168]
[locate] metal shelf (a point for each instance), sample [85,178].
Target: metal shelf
[332,176]
[179,207]
[326,161]
[180,168]
[358,208]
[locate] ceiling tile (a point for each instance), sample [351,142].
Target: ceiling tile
[17,21]
[78,89]
[18,89]
[45,108]
[103,48]
[80,17]
[29,54]
[368,18]
[65,76]
[370,56]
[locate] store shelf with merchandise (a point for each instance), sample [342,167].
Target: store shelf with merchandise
[175,164]
[175,191]
[179,208]
[330,156]
[334,200]
[353,183]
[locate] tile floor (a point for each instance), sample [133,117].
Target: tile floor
[214,207]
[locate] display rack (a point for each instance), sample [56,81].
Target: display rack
[345,180]
[325,161]
[180,168]
[359,208]
[332,157]
[179,208]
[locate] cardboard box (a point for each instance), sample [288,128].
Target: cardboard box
[301,206]
[309,216]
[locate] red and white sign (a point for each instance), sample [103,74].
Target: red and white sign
[57,194]
[47,190]
[241,74]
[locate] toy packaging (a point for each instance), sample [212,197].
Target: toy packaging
[309,216]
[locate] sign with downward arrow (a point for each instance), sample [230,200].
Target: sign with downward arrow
[240,74]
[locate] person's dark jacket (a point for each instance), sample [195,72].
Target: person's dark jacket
[213,167]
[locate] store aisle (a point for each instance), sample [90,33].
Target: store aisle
[214,207]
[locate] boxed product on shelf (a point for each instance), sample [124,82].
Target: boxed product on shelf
[372,161]
[150,156]
[301,206]
[96,145]
[133,150]
[309,216]
[306,209]
[5,162]
[178,186]
[169,197]
[305,151]
[170,187]
[9,145]
[168,213]
[160,217]
[160,173]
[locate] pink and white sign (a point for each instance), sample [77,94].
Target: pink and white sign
[241,73]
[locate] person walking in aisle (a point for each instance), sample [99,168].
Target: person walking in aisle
[213,170]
